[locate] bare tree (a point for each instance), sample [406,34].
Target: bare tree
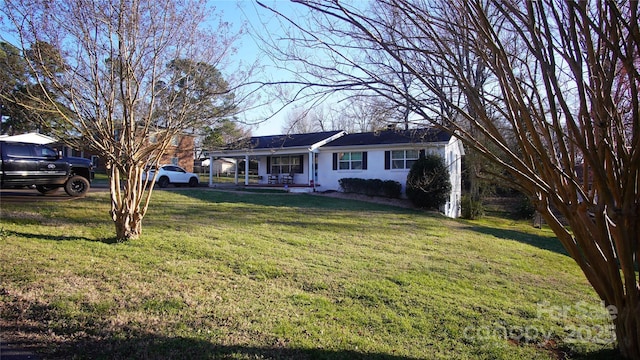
[365,113]
[300,121]
[314,119]
[558,108]
[136,74]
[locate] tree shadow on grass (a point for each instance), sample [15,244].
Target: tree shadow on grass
[140,345]
[304,201]
[550,243]
[151,346]
[105,240]
[40,329]
[155,347]
[606,354]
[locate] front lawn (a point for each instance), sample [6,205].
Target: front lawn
[231,275]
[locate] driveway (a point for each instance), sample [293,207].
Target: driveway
[32,195]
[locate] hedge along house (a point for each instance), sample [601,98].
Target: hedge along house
[317,161]
[389,155]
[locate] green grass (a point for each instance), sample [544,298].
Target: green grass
[243,276]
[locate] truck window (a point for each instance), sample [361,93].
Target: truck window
[45,151]
[18,150]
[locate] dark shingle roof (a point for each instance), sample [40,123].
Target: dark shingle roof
[390,137]
[290,141]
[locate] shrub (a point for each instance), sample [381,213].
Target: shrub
[428,184]
[392,189]
[371,187]
[524,208]
[352,185]
[471,209]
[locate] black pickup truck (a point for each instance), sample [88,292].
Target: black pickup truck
[25,164]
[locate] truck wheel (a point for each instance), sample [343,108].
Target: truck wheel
[76,186]
[47,189]
[193,182]
[163,182]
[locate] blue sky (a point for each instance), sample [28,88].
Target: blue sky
[271,26]
[254,18]
[258,19]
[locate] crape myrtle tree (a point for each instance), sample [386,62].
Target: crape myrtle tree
[558,109]
[134,75]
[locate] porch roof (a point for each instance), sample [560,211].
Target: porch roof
[288,143]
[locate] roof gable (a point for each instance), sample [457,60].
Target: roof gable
[392,137]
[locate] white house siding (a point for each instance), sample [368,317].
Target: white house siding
[454,152]
[328,179]
[262,169]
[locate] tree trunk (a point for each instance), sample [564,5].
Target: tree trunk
[126,210]
[128,226]
[627,325]
[627,301]
[604,244]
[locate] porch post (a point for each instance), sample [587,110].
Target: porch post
[246,169]
[210,170]
[311,169]
[236,173]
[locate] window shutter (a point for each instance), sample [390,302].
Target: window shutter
[387,160]
[268,164]
[364,160]
[422,153]
[301,168]
[335,161]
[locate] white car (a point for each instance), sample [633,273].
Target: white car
[173,174]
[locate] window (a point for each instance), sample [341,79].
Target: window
[404,159]
[175,141]
[30,150]
[18,150]
[45,151]
[285,164]
[401,159]
[350,160]
[173,168]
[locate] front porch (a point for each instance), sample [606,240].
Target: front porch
[286,161]
[273,170]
